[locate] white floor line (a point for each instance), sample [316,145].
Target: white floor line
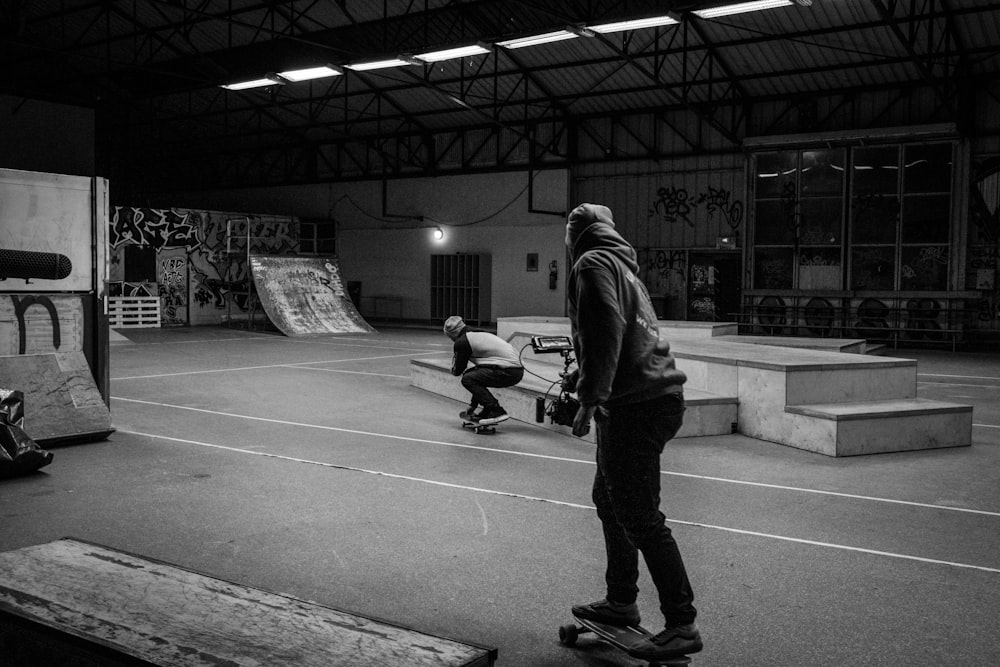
[255,368]
[558,458]
[138,346]
[509,494]
[959,384]
[337,370]
[966,377]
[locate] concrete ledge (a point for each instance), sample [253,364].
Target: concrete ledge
[878,409]
[706,414]
[779,358]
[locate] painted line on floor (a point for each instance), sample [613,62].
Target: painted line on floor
[337,370]
[509,494]
[960,384]
[255,368]
[965,377]
[557,458]
[134,345]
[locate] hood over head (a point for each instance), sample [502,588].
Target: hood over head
[591,226]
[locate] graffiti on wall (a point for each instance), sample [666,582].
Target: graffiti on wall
[40,324]
[201,256]
[673,205]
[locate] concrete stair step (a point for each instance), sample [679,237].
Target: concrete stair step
[893,407]
[880,426]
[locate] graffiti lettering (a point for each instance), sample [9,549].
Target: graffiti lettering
[20,306]
[716,200]
[666,262]
[159,228]
[673,205]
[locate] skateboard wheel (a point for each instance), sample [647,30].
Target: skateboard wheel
[568,634]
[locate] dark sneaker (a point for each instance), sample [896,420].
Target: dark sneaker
[609,613]
[465,416]
[493,415]
[669,643]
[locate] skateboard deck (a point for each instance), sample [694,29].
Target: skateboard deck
[620,638]
[480,428]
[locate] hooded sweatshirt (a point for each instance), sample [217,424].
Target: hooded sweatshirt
[621,357]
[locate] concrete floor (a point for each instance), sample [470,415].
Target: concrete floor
[310,466]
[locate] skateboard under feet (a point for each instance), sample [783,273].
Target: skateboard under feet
[479,428]
[621,638]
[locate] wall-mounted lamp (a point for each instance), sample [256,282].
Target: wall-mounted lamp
[438,234]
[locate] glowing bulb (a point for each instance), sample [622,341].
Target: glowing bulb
[438,234]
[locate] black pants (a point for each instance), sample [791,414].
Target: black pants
[630,440]
[478,379]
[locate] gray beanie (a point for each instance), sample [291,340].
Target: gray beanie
[582,217]
[453,325]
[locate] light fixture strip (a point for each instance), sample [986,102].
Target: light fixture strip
[254,83]
[378,64]
[310,73]
[535,40]
[449,54]
[740,8]
[634,24]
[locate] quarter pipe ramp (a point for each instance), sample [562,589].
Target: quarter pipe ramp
[305,295]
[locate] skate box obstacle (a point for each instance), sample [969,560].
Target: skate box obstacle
[78,604]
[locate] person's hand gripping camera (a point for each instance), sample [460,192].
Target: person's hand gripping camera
[584,413]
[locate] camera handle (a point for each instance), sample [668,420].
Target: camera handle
[562,409]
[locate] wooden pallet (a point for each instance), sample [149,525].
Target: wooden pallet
[133,312]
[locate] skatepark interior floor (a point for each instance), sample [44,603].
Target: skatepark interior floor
[310,466]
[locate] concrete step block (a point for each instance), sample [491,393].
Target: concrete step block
[706,414]
[872,427]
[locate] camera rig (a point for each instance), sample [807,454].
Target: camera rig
[562,409]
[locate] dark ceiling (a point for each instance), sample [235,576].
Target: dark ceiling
[152,70]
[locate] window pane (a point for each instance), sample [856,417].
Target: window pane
[927,168]
[774,222]
[773,268]
[821,221]
[872,268]
[876,170]
[819,268]
[822,172]
[775,175]
[874,219]
[924,268]
[925,218]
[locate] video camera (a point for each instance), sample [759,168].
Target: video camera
[562,410]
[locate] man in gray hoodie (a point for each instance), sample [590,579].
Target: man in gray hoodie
[628,383]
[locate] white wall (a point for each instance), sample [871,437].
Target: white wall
[389,250]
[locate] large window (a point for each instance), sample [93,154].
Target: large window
[860,218]
[799,219]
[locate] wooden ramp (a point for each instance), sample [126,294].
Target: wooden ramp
[69,602]
[305,295]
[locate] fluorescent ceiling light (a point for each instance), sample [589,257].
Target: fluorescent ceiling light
[634,24]
[448,54]
[741,7]
[256,83]
[378,64]
[310,73]
[534,40]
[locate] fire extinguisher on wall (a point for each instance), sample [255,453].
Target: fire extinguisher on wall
[553,274]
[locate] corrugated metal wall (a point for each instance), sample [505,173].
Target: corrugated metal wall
[684,203]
